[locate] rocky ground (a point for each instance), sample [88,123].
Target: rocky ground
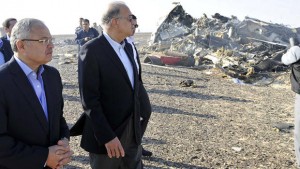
[214,124]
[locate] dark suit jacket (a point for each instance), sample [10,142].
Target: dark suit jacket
[6,49]
[4,37]
[25,133]
[107,96]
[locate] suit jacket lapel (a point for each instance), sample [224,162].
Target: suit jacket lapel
[49,96]
[139,63]
[114,58]
[28,92]
[134,67]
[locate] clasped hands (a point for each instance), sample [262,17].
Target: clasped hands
[59,155]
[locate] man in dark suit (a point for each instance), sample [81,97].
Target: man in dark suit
[108,82]
[5,50]
[8,25]
[145,105]
[33,131]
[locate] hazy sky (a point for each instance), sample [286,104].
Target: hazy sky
[61,16]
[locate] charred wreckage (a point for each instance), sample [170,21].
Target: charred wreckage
[246,50]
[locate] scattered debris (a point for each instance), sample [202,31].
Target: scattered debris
[186,83]
[241,49]
[283,127]
[238,149]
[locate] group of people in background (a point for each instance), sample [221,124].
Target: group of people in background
[84,32]
[33,131]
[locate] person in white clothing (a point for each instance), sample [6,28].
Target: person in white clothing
[144,98]
[292,57]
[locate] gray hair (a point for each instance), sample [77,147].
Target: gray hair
[22,30]
[112,11]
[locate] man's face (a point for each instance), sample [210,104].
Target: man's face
[11,25]
[125,22]
[85,26]
[38,52]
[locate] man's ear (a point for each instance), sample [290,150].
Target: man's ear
[20,45]
[114,22]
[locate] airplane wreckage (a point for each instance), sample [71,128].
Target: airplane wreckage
[245,50]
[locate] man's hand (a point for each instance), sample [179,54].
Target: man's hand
[87,38]
[54,159]
[65,154]
[114,148]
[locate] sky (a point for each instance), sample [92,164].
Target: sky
[61,16]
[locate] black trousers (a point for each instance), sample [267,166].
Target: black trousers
[133,154]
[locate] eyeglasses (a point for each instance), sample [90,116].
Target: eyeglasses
[43,41]
[129,17]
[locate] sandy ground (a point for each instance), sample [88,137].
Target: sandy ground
[215,124]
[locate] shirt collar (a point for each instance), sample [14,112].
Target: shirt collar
[113,43]
[26,69]
[7,37]
[130,39]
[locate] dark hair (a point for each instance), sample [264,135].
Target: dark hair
[86,20]
[6,23]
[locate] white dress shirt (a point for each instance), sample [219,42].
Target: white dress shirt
[119,49]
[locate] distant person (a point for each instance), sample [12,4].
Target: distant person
[109,90]
[292,57]
[145,105]
[86,34]
[79,28]
[98,28]
[8,24]
[5,51]
[33,131]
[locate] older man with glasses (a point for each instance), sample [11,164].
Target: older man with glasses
[109,89]
[33,131]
